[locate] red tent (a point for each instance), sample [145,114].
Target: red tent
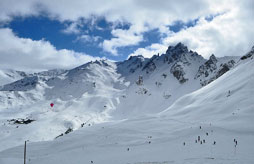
[51,104]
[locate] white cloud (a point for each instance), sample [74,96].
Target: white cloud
[73,28]
[234,28]
[88,38]
[26,54]
[225,35]
[149,51]
[228,34]
[121,38]
[142,15]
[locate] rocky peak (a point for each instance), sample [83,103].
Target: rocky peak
[136,57]
[213,59]
[177,49]
[132,64]
[211,63]
[208,67]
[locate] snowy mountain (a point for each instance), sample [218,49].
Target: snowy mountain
[119,108]
[9,76]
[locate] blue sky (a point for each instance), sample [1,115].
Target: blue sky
[42,27]
[63,34]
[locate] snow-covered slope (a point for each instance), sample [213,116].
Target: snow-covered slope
[81,96]
[9,76]
[221,113]
[98,92]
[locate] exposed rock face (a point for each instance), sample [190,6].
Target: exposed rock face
[225,67]
[137,62]
[21,121]
[149,67]
[176,50]
[249,54]
[178,59]
[207,67]
[176,53]
[178,72]
[140,80]
[212,70]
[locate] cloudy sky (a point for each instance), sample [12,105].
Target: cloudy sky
[48,34]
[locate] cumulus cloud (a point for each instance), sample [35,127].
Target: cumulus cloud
[151,50]
[142,15]
[26,54]
[224,36]
[121,38]
[73,28]
[228,34]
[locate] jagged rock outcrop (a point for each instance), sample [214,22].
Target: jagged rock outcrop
[207,68]
[249,54]
[176,53]
[212,69]
[225,67]
[140,80]
[178,72]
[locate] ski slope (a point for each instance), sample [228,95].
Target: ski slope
[223,109]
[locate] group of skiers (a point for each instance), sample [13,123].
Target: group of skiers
[201,141]
[204,141]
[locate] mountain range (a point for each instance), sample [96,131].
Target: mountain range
[168,99]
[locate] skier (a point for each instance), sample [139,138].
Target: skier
[51,104]
[198,138]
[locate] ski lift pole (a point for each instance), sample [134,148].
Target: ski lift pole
[25,153]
